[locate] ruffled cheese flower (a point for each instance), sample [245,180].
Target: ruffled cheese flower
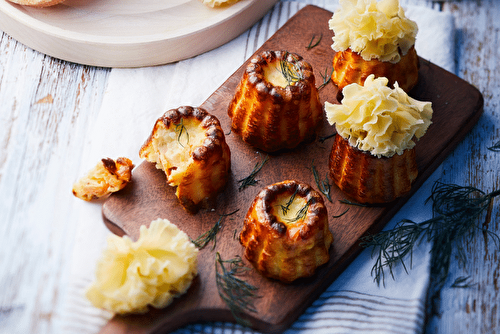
[159,266]
[373,29]
[218,3]
[379,119]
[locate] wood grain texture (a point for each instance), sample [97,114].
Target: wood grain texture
[476,308]
[457,106]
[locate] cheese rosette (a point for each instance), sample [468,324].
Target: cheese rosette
[373,29]
[154,270]
[218,3]
[378,119]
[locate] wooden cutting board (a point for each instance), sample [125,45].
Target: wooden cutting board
[457,107]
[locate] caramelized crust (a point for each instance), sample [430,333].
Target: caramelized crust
[188,144]
[349,67]
[368,179]
[106,177]
[270,116]
[287,245]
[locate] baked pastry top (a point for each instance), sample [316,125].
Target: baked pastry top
[374,37]
[188,144]
[285,233]
[276,105]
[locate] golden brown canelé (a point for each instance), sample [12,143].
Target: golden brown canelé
[369,179]
[349,67]
[285,233]
[188,144]
[270,112]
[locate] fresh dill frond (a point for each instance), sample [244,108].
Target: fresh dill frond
[461,282]
[312,43]
[286,207]
[495,147]
[250,179]
[290,71]
[324,138]
[324,186]
[301,214]
[180,129]
[456,210]
[235,292]
[211,234]
[340,215]
[326,78]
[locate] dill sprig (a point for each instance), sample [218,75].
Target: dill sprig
[250,179]
[324,138]
[286,207]
[461,282]
[236,293]
[301,214]
[290,71]
[324,186]
[312,43]
[326,78]
[211,234]
[181,129]
[456,210]
[495,147]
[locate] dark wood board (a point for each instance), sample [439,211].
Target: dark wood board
[457,107]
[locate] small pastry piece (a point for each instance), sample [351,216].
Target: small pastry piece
[188,144]
[374,38]
[285,233]
[373,157]
[106,177]
[276,105]
[37,3]
[218,3]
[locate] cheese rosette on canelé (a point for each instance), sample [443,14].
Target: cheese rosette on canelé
[153,270]
[373,156]
[373,38]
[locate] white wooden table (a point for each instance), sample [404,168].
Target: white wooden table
[47,108]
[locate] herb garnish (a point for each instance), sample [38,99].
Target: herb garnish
[313,44]
[326,78]
[180,129]
[323,186]
[291,72]
[495,148]
[235,292]
[301,214]
[250,179]
[461,282]
[211,234]
[324,138]
[286,207]
[455,213]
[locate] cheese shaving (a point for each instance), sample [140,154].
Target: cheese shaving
[159,266]
[378,119]
[375,30]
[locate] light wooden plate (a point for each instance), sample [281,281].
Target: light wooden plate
[128,33]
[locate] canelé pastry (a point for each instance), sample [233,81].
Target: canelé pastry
[188,144]
[373,157]
[276,105]
[106,177]
[285,233]
[374,38]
